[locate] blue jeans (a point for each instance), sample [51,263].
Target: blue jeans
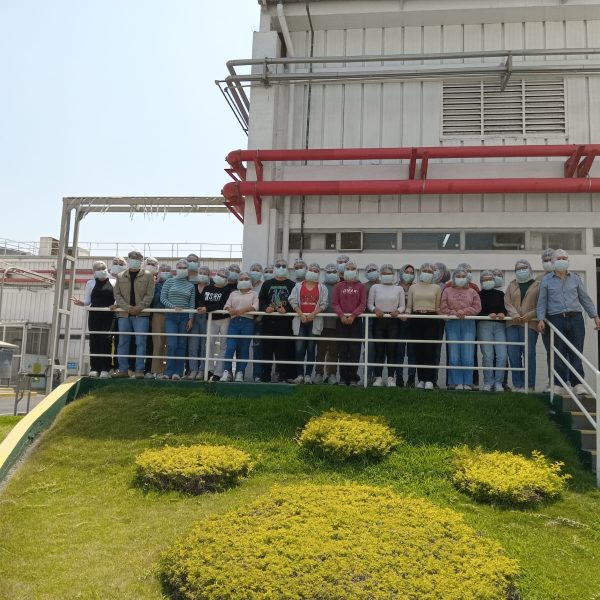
[573,328]
[197,345]
[305,347]
[515,333]
[176,345]
[139,325]
[238,346]
[460,355]
[492,331]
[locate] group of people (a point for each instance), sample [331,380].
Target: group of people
[173,345]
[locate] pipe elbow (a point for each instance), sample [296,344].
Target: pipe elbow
[234,157]
[231,191]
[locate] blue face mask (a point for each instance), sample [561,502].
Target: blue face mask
[488,285]
[116,269]
[245,284]
[341,267]
[193,278]
[460,281]
[101,274]
[373,275]
[300,273]
[469,277]
[255,276]
[408,277]
[349,275]
[523,275]
[281,271]
[387,278]
[181,273]
[499,281]
[312,276]
[134,263]
[233,276]
[268,275]
[164,275]
[203,278]
[561,265]
[332,278]
[426,277]
[192,265]
[219,280]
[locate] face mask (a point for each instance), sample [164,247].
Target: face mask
[488,285]
[499,281]
[116,269]
[331,278]
[164,275]
[255,276]
[548,266]
[408,277]
[268,276]
[193,278]
[373,275]
[203,278]
[341,267]
[387,279]
[460,281]
[192,265]
[312,276]
[101,274]
[233,276]
[181,273]
[426,277]
[436,275]
[469,277]
[220,281]
[300,273]
[523,275]
[134,263]
[151,268]
[281,271]
[561,265]
[349,275]
[245,284]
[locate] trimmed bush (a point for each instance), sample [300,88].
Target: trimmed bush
[343,436]
[193,469]
[507,478]
[342,542]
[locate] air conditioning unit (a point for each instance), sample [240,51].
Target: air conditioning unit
[351,241]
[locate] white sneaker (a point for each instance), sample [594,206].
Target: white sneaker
[547,390]
[104,375]
[467,388]
[318,378]
[332,380]
[580,390]
[226,376]
[93,373]
[428,385]
[175,377]
[149,376]
[421,385]
[378,382]
[391,382]
[307,379]
[560,391]
[192,375]
[239,377]
[459,387]
[257,380]
[519,390]
[486,388]
[162,376]
[498,387]
[299,379]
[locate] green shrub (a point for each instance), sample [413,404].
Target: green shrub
[337,542]
[508,478]
[342,436]
[193,469]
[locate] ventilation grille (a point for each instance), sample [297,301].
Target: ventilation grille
[523,108]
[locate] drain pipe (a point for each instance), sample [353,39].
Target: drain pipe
[285,232]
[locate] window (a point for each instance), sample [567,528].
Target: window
[330,241]
[380,241]
[313,241]
[351,240]
[596,237]
[567,240]
[430,241]
[525,107]
[495,241]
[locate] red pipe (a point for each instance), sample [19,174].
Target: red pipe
[235,190]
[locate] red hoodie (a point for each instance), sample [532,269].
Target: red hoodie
[349,297]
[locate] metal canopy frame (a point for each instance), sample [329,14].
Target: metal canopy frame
[74,210]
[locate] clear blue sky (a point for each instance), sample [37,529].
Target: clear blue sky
[117,97]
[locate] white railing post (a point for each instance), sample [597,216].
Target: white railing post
[82,342]
[551,344]
[366,353]
[597,428]
[207,347]
[526,356]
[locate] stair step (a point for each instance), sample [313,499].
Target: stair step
[591,459]
[569,405]
[587,438]
[579,420]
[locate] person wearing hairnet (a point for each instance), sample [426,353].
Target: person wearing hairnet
[340,263]
[98,293]
[372,278]
[233,274]
[562,301]
[157,322]
[460,300]
[300,268]
[327,349]
[197,339]
[521,299]
[404,348]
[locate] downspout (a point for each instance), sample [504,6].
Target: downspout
[285,242]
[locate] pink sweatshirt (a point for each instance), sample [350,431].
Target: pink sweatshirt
[349,297]
[457,298]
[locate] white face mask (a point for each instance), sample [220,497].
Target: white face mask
[547,264]
[350,275]
[116,269]
[311,276]
[151,268]
[101,274]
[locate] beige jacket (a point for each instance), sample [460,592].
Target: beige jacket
[143,288]
[518,307]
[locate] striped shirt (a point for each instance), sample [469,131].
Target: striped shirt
[178,293]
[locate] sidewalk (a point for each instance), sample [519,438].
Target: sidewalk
[7,402]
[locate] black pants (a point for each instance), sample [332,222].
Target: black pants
[426,329]
[386,328]
[100,343]
[278,350]
[349,350]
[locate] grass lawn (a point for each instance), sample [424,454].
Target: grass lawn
[6,424]
[72,525]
